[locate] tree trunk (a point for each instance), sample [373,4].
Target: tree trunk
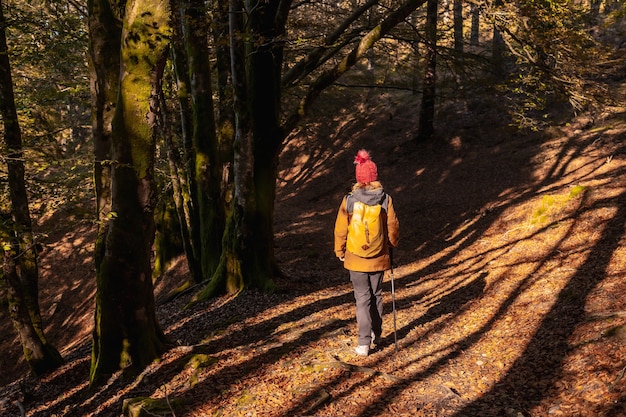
[416,82]
[169,235]
[594,11]
[457,6]
[178,178]
[426,128]
[104,59]
[225,112]
[263,75]
[208,170]
[475,26]
[189,190]
[497,51]
[40,355]
[126,331]
[247,259]
[20,255]
[230,275]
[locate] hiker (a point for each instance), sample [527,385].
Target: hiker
[365,231]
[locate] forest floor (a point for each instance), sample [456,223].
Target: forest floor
[510,295]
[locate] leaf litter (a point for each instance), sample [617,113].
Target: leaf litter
[509,291]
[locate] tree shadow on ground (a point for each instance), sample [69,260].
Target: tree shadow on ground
[540,366]
[448,196]
[452,302]
[452,204]
[207,341]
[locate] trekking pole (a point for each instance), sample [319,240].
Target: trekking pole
[393,301]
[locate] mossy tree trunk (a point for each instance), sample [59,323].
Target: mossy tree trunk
[207,165]
[18,242]
[247,259]
[40,356]
[126,332]
[185,170]
[263,74]
[105,31]
[172,236]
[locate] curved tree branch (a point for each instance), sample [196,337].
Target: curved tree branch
[328,77]
[314,59]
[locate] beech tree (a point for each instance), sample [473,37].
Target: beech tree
[126,332]
[17,240]
[207,170]
[248,258]
[181,154]
[206,132]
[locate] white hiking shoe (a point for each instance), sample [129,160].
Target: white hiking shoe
[362,350]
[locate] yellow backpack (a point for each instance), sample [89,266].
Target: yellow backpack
[366,232]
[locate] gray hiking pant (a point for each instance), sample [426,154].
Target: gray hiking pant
[369,304]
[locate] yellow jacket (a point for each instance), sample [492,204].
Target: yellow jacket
[352,262]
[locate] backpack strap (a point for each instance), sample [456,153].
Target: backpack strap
[350,203]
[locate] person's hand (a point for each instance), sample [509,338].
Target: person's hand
[342,258]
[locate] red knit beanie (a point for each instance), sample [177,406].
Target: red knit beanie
[366,170]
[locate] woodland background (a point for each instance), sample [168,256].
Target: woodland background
[509,280]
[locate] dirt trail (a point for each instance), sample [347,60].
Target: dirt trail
[509,283]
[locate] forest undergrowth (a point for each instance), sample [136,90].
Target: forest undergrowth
[510,296]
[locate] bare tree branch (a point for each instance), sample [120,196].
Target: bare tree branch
[328,77]
[314,59]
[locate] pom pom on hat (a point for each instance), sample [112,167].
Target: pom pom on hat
[361,156]
[366,170]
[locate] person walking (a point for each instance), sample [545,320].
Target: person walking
[366,229]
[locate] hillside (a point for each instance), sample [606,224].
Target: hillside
[509,286]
